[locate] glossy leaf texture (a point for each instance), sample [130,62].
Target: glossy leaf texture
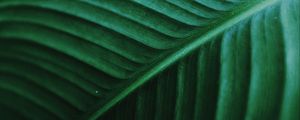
[149,59]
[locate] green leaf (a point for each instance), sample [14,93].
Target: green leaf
[149,59]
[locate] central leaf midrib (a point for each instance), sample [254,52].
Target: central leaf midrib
[227,22]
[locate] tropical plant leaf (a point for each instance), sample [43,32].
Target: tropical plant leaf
[149,59]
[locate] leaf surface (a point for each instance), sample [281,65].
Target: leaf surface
[174,59]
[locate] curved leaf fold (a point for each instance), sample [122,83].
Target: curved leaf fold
[173,59]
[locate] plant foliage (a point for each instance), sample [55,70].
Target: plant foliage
[150,59]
